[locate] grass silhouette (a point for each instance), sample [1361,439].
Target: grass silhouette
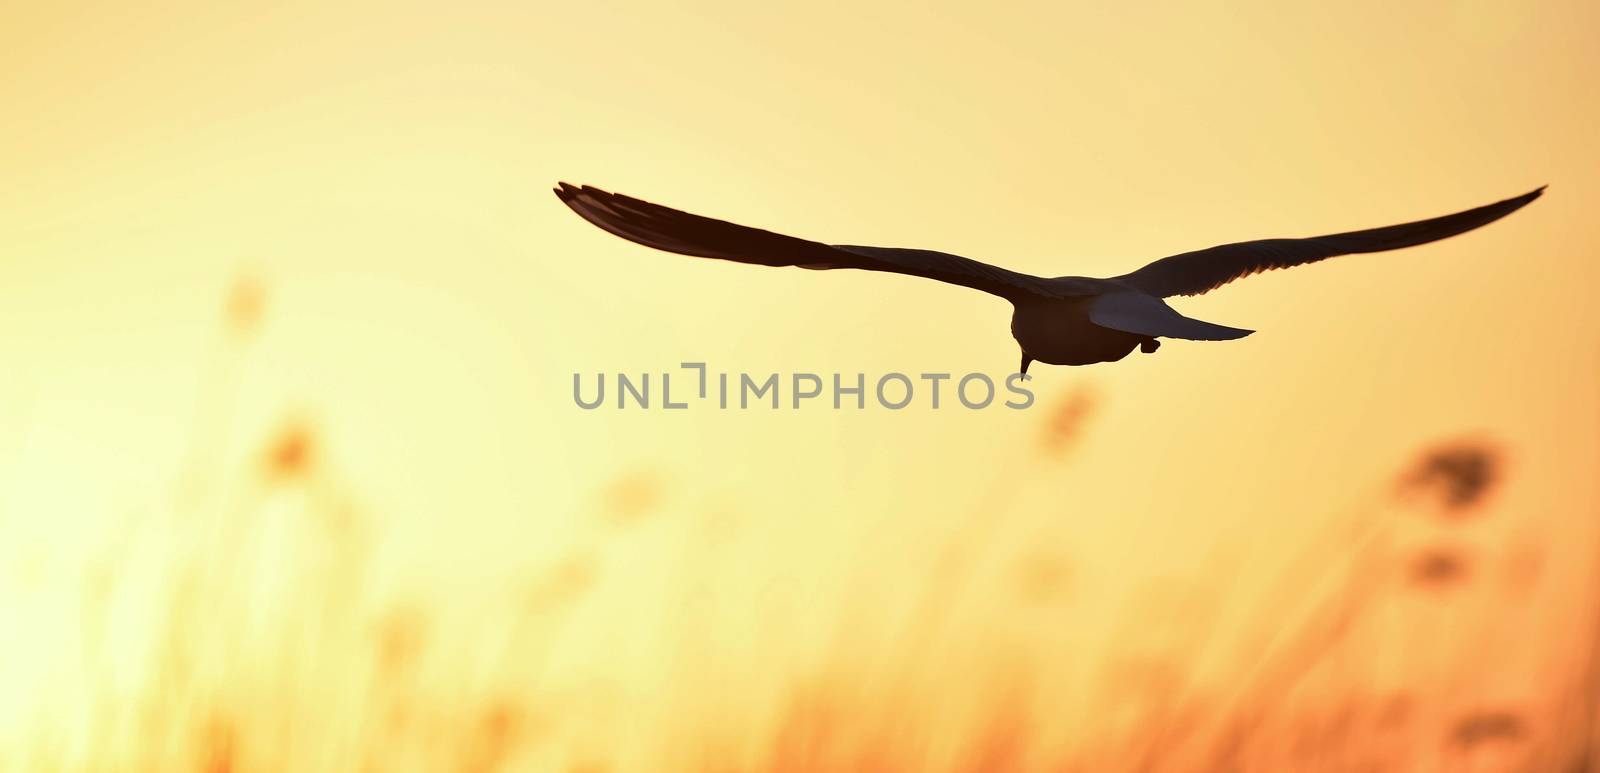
[244,631]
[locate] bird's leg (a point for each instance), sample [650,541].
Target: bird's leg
[1025,360]
[1149,345]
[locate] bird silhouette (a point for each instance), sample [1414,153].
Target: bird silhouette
[1064,320]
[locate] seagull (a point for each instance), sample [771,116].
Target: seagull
[1064,320]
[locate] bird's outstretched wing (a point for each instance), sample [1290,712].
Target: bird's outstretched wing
[1192,273]
[669,229]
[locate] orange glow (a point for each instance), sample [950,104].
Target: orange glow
[291,477]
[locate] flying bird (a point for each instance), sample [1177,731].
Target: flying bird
[1064,320]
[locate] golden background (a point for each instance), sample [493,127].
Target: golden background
[291,477]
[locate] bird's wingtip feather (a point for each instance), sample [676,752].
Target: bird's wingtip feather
[1518,202]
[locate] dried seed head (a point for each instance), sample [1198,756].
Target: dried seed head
[1458,475]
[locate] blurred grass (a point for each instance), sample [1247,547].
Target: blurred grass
[244,630]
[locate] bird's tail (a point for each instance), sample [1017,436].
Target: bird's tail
[1142,314]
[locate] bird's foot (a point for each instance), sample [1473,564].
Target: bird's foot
[1149,345]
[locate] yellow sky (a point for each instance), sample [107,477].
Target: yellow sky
[383,169]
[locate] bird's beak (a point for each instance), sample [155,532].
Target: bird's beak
[1025,360]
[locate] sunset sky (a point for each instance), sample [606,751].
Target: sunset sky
[381,172]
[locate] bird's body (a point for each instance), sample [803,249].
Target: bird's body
[1059,332]
[1064,320]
